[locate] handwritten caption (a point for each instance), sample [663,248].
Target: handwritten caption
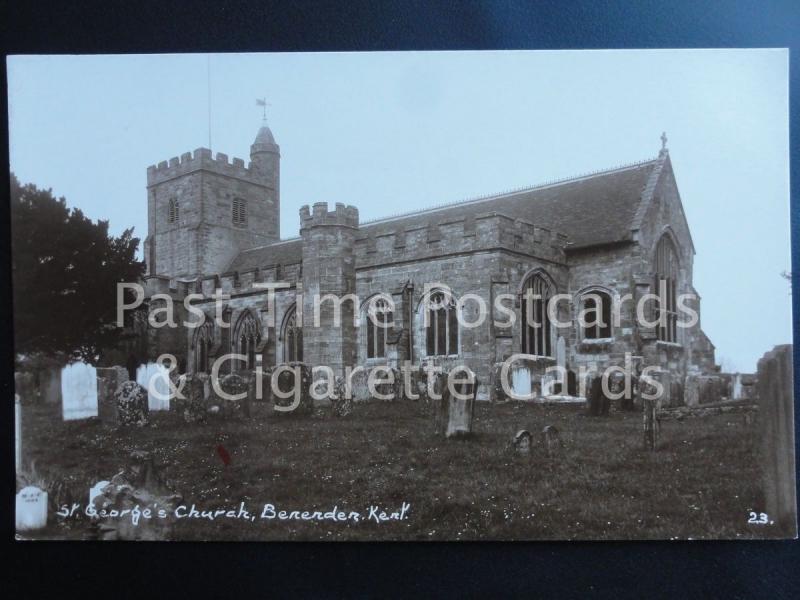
[267,513]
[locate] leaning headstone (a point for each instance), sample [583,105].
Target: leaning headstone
[108,380]
[78,391]
[31,509]
[17,433]
[521,444]
[132,407]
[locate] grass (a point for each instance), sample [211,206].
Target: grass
[701,483]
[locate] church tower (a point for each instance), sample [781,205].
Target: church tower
[202,210]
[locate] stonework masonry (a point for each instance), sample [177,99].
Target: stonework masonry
[595,232]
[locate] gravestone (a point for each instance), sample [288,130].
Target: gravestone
[388,382]
[108,380]
[31,509]
[155,378]
[599,402]
[78,391]
[286,383]
[17,433]
[776,431]
[651,424]
[98,488]
[558,384]
[736,385]
[342,402]
[522,441]
[192,407]
[25,387]
[50,385]
[551,439]
[233,384]
[132,406]
[521,382]
[453,416]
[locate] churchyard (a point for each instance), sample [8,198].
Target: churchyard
[384,463]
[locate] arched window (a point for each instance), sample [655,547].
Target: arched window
[292,338]
[204,339]
[596,315]
[379,320]
[536,294]
[248,337]
[239,215]
[173,211]
[441,335]
[666,283]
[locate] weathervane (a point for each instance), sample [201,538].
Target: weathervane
[262,102]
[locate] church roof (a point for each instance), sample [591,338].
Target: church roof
[595,209]
[285,252]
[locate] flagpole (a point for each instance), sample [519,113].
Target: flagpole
[208,81]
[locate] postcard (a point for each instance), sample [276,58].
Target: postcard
[511,295]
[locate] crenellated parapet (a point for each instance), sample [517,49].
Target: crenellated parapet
[320,215]
[202,159]
[482,232]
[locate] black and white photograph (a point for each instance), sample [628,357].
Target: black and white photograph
[504,295]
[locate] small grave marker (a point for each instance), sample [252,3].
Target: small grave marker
[31,509]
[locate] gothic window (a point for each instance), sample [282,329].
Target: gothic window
[248,337]
[666,283]
[173,211]
[441,334]
[596,315]
[239,215]
[204,339]
[292,338]
[536,335]
[379,319]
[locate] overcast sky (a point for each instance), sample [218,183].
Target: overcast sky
[392,132]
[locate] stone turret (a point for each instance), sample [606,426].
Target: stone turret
[265,158]
[329,268]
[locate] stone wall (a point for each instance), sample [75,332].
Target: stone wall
[204,238]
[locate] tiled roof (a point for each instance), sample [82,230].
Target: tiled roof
[594,209]
[285,252]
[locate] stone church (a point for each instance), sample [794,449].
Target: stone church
[214,223]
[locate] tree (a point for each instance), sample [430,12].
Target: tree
[65,270]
